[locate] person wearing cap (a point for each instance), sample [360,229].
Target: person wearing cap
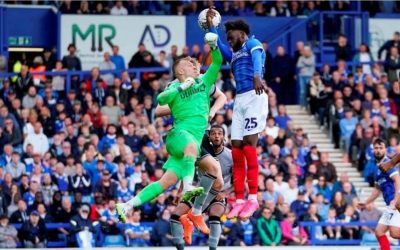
[300,205]
[106,186]
[8,233]
[80,223]
[33,232]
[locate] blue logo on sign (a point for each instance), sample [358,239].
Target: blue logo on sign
[155,34]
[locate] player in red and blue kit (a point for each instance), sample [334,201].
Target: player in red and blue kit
[387,183]
[246,56]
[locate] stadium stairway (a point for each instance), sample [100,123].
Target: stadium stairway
[301,118]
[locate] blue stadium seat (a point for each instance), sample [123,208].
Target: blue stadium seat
[114,241]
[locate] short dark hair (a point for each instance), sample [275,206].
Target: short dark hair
[378,141]
[239,24]
[71,45]
[215,126]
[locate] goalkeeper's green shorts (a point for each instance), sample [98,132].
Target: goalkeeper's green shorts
[176,142]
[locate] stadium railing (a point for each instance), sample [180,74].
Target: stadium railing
[311,226]
[137,72]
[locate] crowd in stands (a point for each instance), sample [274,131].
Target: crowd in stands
[234,8]
[69,157]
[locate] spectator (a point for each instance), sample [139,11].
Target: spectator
[8,233]
[119,9]
[64,212]
[106,186]
[291,193]
[342,49]
[33,232]
[117,59]
[107,65]
[161,233]
[15,167]
[38,140]
[292,232]
[23,82]
[19,216]
[347,126]
[279,9]
[282,118]
[244,233]
[300,205]
[387,46]
[333,232]
[120,95]
[44,216]
[270,193]
[364,57]
[71,61]
[306,66]
[48,188]
[369,214]
[349,232]
[80,182]
[327,169]
[111,110]
[392,64]
[80,223]
[30,99]
[95,80]
[313,216]
[84,8]
[282,75]
[109,220]
[137,58]
[136,232]
[120,149]
[268,229]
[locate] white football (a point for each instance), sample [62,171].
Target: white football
[202,19]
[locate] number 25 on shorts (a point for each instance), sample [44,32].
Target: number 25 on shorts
[251,123]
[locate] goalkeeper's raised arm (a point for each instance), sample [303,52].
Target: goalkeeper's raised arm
[211,74]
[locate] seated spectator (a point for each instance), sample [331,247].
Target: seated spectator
[350,232]
[106,186]
[369,214]
[244,233]
[322,206]
[19,216]
[8,233]
[292,232]
[347,193]
[136,232]
[29,197]
[123,193]
[15,167]
[300,205]
[323,189]
[38,140]
[338,185]
[327,169]
[290,194]
[392,64]
[33,232]
[268,229]
[48,188]
[81,223]
[270,193]
[161,233]
[313,216]
[333,232]
[81,182]
[339,203]
[44,215]
[109,220]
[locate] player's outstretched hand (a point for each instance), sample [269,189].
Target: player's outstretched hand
[212,40]
[259,85]
[187,83]
[210,15]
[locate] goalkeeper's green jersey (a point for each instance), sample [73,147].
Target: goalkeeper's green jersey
[190,107]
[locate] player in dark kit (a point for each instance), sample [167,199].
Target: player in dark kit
[215,202]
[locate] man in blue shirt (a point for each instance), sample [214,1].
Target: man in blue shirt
[387,183]
[137,234]
[117,59]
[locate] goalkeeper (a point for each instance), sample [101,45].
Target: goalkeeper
[189,102]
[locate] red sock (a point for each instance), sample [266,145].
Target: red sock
[252,168]
[238,172]
[384,242]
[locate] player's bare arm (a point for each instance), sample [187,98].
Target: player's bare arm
[386,166]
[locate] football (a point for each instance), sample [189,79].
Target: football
[202,19]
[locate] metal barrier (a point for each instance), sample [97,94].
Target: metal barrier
[311,225]
[315,241]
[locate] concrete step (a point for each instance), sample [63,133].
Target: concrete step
[354,179]
[321,140]
[325,146]
[343,165]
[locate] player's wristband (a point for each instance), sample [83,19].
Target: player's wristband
[179,88]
